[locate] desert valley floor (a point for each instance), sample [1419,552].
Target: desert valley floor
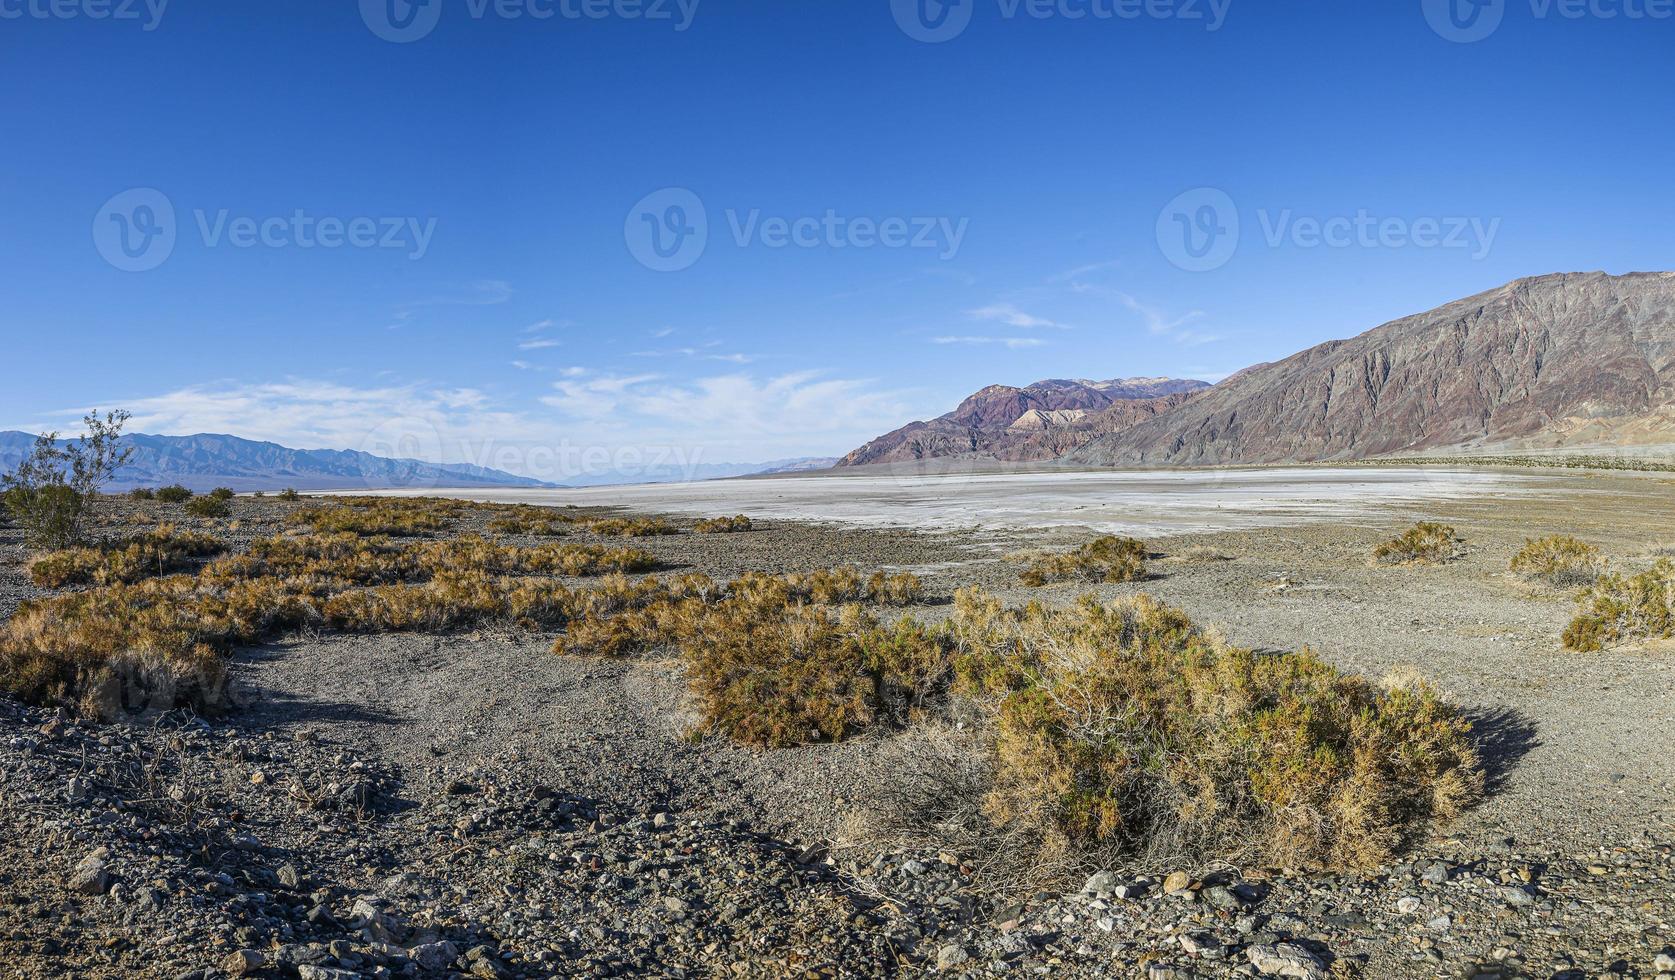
[472,803]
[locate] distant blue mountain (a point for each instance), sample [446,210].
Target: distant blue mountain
[203,462]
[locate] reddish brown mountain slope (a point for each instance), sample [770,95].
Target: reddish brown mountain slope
[1042,421]
[1579,360]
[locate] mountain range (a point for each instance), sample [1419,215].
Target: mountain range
[203,462]
[1577,361]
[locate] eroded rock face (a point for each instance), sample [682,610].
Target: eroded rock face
[1042,421]
[1575,360]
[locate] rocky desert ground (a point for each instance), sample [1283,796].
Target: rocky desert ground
[471,803]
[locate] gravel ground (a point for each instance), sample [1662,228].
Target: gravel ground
[379,797]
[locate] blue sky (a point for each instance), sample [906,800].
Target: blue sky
[889,223]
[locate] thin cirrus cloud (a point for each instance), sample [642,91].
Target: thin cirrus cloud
[789,414]
[1013,317]
[727,418]
[1011,343]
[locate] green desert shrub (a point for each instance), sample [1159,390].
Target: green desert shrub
[1558,560]
[208,506]
[222,493]
[1620,608]
[723,525]
[1426,543]
[288,494]
[1109,559]
[173,494]
[54,488]
[142,493]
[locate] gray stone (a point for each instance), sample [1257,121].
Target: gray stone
[434,956]
[89,876]
[1103,883]
[1286,960]
[952,956]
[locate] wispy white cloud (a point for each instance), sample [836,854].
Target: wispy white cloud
[705,353]
[1013,317]
[1084,270]
[1012,343]
[585,417]
[799,413]
[539,343]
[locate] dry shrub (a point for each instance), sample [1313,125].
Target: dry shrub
[1123,730]
[96,648]
[827,587]
[1558,560]
[723,525]
[1618,608]
[159,551]
[636,527]
[1109,559]
[900,589]
[380,516]
[540,522]
[793,675]
[1426,543]
[1201,552]
[162,635]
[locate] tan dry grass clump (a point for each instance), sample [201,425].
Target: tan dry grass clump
[1558,560]
[1426,543]
[159,551]
[1620,608]
[1109,560]
[163,636]
[380,516]
[723,525]
[632,527]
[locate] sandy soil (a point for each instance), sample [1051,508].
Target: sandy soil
[1571,735]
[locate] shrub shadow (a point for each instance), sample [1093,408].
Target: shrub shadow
[1503,737]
